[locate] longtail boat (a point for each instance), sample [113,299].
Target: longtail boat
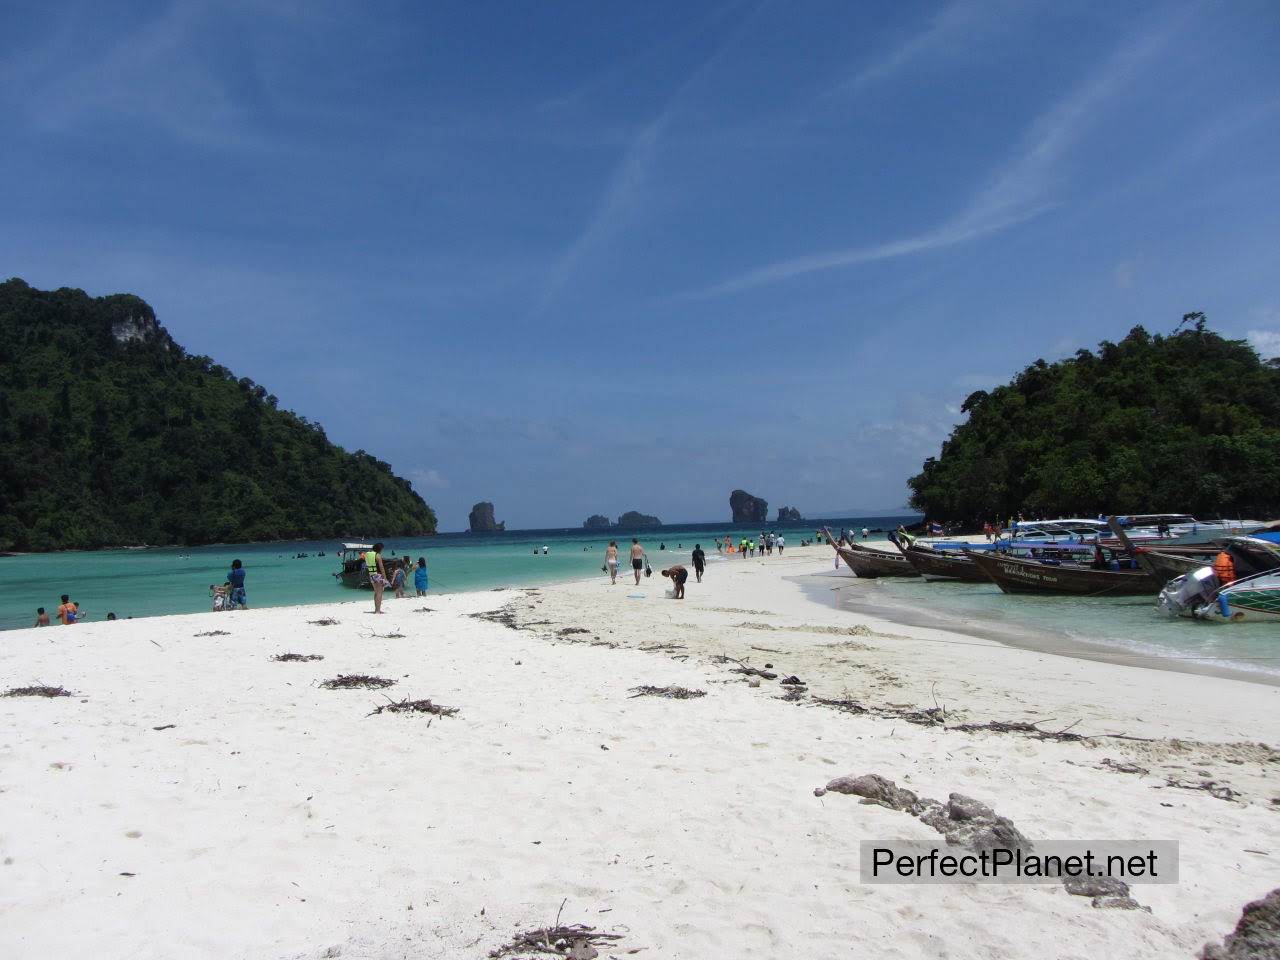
[939,564]
[867,562]
[1018,575]
[353,572]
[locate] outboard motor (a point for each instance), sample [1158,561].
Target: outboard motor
[1183,595]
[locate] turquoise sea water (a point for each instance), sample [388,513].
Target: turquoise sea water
[141,583]
[149,582]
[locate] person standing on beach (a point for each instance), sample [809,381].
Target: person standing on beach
[699,561]
[611,561]
[678,575]
[781,542]
[235,577]
[399,577]
[377,571]
[637,559]
[420,577]
[42,618]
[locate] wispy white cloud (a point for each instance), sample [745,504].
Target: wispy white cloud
[1266,342]
[429,478]
[629,177]
[1020,189]
[951,21]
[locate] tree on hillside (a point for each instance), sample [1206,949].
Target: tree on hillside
[1188,421]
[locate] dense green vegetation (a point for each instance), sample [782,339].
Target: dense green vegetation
[1186,422]
[111,434]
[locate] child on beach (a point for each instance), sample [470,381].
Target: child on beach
[699,561]
[397,581]
[42,618]
[420,577]
[220,595]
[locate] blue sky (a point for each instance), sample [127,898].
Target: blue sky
[605,256]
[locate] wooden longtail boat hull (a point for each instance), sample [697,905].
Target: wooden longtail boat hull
[1165,566]
[876,563]
[1014,575]
[935,563]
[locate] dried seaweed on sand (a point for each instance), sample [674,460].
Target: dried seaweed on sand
[214,633]
[357,681]
[415,706]
[323,622]
[37,691]
[297,657]
[671,693]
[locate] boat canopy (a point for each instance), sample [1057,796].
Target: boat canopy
[357,546]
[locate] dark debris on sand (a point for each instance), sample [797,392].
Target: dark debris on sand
[415,706]
[671,693]
[37,691]
[357,681]
[297,657]
[323,622]
[214,633]
[574,941]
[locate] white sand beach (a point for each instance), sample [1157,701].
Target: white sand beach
[195,798]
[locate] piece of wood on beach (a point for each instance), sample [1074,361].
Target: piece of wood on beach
[745,670]
[37,691]
[356,681]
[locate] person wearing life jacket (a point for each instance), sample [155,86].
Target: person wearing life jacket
[1224,567]
[377,571]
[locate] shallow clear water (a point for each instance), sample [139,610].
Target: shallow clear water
[139,583]
[1130,625]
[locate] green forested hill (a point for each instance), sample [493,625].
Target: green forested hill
[1186,422]
[111,434]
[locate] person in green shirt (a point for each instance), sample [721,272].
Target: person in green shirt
[377,571]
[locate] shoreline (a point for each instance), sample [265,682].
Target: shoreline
[1034,639]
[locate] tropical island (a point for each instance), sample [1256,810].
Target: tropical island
[481,519]
[632,520]
[788,515]
[111,434]
[1188,421]
[596,521]
[748,509]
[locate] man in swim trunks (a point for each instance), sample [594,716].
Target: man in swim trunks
[611,561]
[699,561]
[678,575]
[637,559]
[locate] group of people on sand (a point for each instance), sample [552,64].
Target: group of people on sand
[68,612]
[677,573]
[398,578]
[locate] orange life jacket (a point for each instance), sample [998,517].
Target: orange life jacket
[1224,567]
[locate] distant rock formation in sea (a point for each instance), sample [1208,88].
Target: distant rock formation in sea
[788,513]
[747,508]
[481,519]
[596,522]
[632,519]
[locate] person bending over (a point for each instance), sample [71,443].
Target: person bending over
[678,575]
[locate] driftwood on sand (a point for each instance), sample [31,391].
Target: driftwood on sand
[576,941]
